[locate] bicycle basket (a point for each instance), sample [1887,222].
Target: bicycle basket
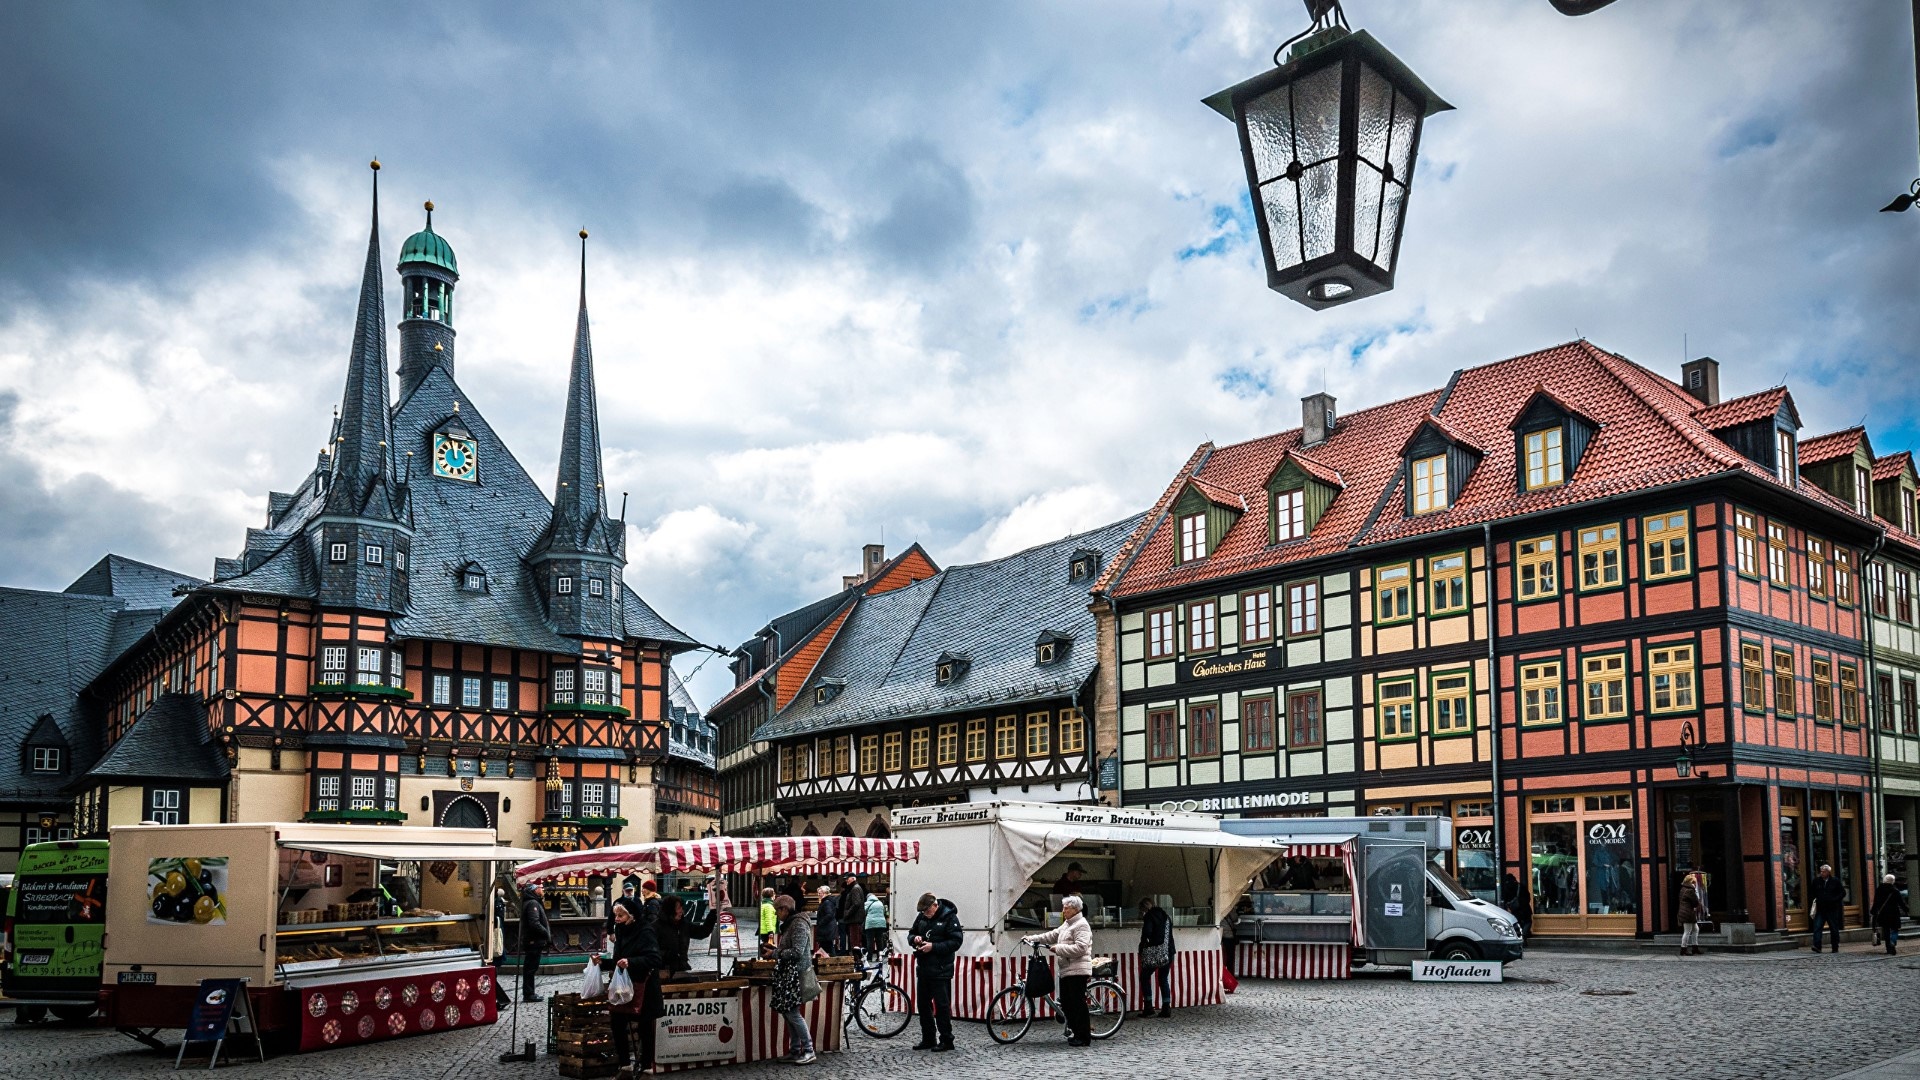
[1103,967]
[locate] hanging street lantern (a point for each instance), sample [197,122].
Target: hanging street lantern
[1329,139]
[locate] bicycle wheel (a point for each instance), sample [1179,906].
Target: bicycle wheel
[883,1010]
[1106,1008]
[1009,1016]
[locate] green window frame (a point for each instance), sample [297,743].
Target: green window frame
[1396,709]
[1393,594]
[1447,585]
[1599,557]
[1450,703]
[1666,546]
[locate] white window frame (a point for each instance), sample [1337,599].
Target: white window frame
[376,555]
[46,759]
[502,694]
[443,689]
[470,691]
[1193,537]
[336,553]
[563,585]
[1290,515]
[596,587]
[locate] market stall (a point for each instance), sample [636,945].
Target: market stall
[1007,865]
[345,933]
[729,1021]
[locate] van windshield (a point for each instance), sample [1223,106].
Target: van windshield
[1453,889]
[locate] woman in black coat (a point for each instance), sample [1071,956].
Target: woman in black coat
[1156,958]
[677,932]
[1888,908]
[636,947]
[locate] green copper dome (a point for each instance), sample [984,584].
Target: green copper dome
[426,246]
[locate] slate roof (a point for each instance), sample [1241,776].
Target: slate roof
[1649,435]
[689,737]
[493,523]
[993,612]
[170,741]
[56,643]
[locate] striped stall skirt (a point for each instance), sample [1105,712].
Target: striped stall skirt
[977,979]
[1287,960]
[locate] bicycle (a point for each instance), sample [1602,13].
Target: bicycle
[882,1009]
[1012,1011]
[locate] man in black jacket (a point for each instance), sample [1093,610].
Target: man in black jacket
[1829,897]
[853,914]
[935,937]
[535,934]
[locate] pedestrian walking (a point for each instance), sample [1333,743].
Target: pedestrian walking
[1889,907]
[826,922]
[769,922]
[1829,898]
[1072,945]
[1693,912]
[1518,902]
[677,932]
[876,926]
[934,938]
[636,949]
[1156,958]
[853,910]
[794,980]
[535,935]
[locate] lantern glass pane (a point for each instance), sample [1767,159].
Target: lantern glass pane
[1280,202]
[1406,124]
[1375,116]
[1269,120]
[1320,207]
[1396,197]
[1316,108]
[1367,183]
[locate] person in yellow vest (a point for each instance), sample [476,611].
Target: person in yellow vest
[769,922]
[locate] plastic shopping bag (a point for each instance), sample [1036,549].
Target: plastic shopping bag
[620,991]
[592,983]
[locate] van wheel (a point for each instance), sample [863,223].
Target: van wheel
[74,1013]
[1457,950]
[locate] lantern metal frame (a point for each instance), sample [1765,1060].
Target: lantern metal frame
[1342,274]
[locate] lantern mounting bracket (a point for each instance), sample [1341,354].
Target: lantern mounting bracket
[1326,15]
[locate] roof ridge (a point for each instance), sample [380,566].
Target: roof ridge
[1149,523]
[1691,430]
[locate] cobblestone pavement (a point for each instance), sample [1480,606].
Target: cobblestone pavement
[1562,1015]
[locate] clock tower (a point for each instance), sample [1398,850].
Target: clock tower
[428,273]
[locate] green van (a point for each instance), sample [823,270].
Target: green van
[56,917]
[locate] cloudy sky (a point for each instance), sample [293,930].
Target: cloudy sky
[975,275]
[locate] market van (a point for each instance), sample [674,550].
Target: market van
[1376,884]
[55,917]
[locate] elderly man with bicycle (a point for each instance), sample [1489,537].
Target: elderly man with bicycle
[1072,945]
[935,937]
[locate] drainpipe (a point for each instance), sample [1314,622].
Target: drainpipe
[1874,708]
[1493,697]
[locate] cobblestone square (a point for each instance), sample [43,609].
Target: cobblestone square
[1561,1014]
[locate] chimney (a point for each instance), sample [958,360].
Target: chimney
[872,558]
[848,581]
[1702,379]
[1316,418]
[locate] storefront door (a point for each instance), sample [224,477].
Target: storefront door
[1793,858]
[1582,863]
[1697,838]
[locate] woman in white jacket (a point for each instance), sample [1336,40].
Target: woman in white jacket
[1072,945]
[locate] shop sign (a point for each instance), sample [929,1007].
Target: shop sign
[698,1029]
[1062,813]
[1479,838]
[1109,778]
[1209,668]
[1473,971]
[1226,804]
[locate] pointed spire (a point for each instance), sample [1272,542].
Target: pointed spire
[363,476]
[579,499]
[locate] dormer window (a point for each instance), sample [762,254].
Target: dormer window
[1043,654]
[1085,564]
[951,667]
[1290,515]
[1546,458]
[1299,490]
[1784,459]
[827,690]
[1051,646]
[1863,490]
[473,578]
[46,759]
[1430,484]
[1193,537]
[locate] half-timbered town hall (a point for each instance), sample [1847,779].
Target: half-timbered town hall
[416,633]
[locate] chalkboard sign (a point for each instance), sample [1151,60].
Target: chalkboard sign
[1109,773]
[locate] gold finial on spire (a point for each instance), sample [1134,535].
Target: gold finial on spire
[429,206]
[374,164]
[437,347]
[583,234]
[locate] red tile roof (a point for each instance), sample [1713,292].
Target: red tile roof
[1648,436]
[1219,496]
[1891,466]
[1326,474]
[1743,410]
[1838,444]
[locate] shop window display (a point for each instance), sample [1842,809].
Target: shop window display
[1583,861]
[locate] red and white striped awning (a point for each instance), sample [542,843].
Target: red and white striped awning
[733,854]
[1317,851]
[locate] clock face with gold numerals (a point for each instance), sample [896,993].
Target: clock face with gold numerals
[453,457]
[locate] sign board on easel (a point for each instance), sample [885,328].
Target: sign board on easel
[220,1009]
[1476,971]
